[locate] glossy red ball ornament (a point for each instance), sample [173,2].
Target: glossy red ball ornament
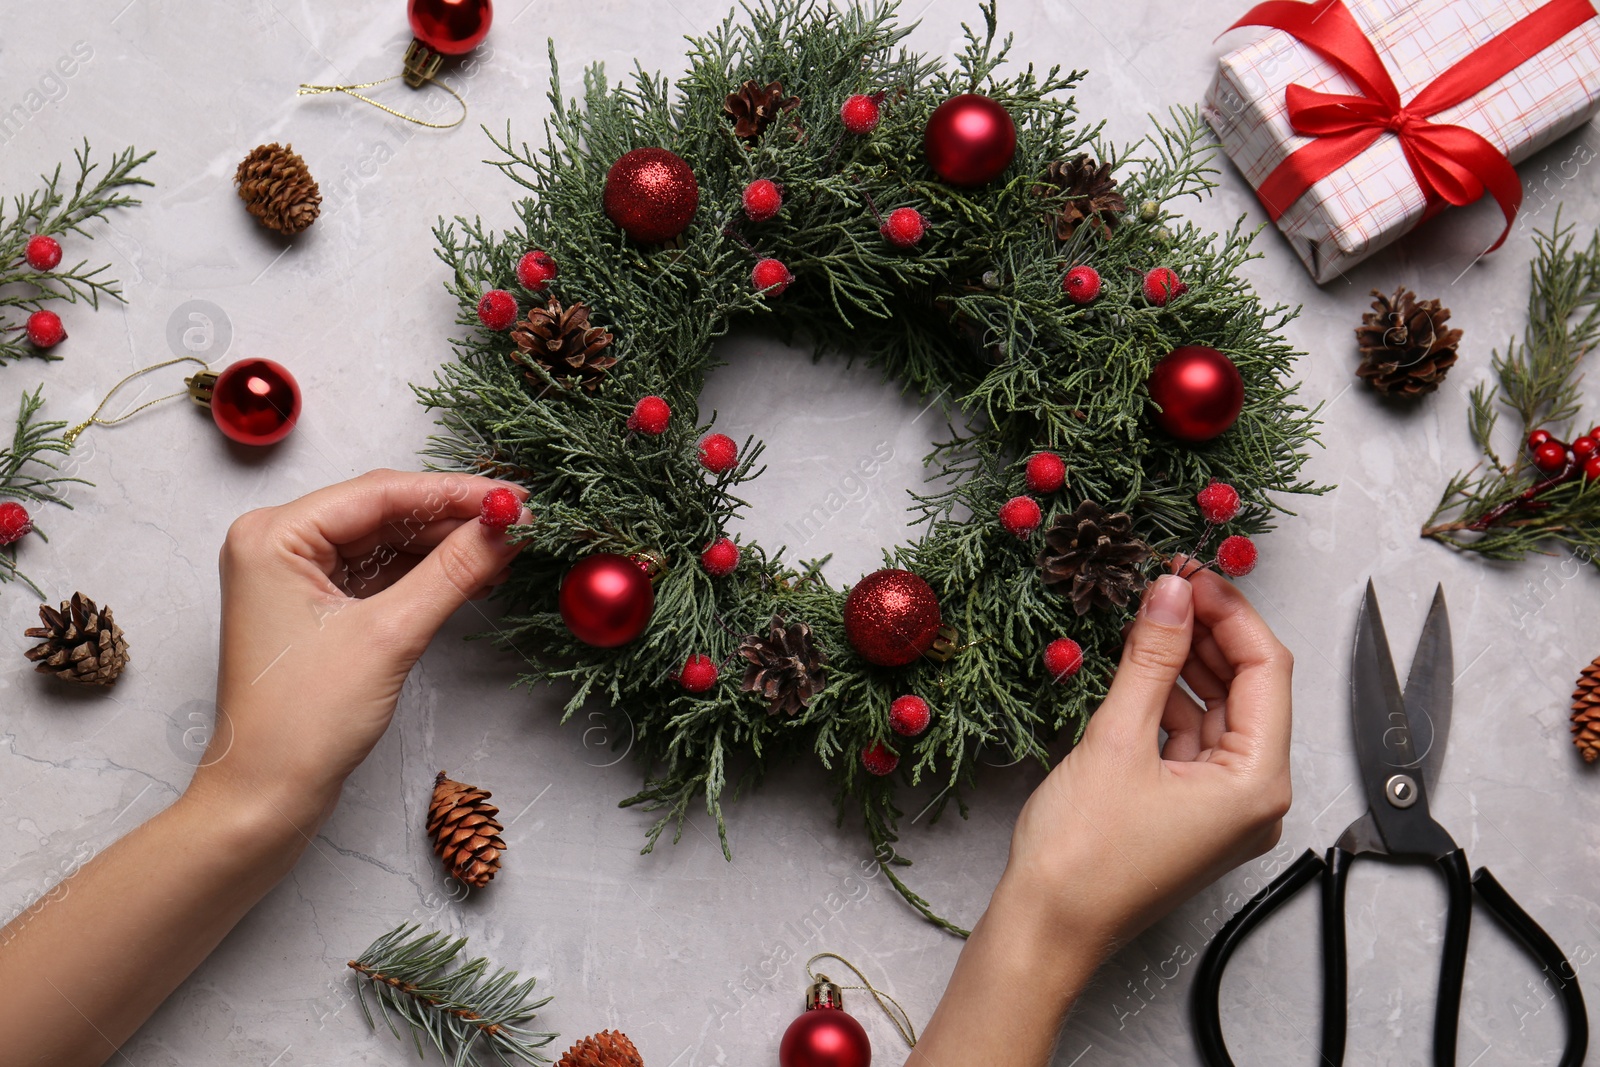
[970,140]
[606,600]
[891,617]
[1550,456]
[825,1037]
[1198,391]
[651,194]
[450,27]
[255,402]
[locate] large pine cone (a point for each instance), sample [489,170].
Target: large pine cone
[753,107]
[1091,193]
[563,342]
[608,1048]
[1586,713]
[1093,558]
[1405,346]
[278,189]
[82,643]
[786,666]
[465,832]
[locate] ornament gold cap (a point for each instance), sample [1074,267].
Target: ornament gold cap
[653,563]
[202,384]
[824,994]
[422,63]
[946,643]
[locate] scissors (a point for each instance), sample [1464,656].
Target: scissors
[1400,741]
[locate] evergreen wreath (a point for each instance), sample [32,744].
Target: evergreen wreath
[585,350]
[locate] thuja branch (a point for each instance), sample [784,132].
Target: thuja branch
[30,473]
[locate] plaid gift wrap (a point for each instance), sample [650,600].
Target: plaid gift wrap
[1373,198]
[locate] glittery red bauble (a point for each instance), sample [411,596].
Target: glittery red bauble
[891,617]
[651,194]
[1199,391]
[606,600]
[450,27]
[970,139]
[825,1037]
[255,402]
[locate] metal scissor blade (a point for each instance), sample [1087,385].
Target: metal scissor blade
[1430,688]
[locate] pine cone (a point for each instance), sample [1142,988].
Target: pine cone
[1091,194]
[1093,558]
[1405,347]
[754,107]
[563,341]
[465,833]
[786,666]
[82,643]
[277,188]
[1586,712]
[608,1048]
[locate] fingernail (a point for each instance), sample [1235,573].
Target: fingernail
[1167,602]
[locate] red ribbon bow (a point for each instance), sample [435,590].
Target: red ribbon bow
[1452,164]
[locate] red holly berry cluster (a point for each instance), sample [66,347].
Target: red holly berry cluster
[1556,457]
[498,309]
[44,328]
[1219,504]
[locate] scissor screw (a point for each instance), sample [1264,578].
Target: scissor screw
[1401,790]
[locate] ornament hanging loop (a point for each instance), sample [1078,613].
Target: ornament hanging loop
[826,993]
[422,71]
[71,436]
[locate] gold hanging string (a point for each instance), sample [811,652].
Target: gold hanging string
[891,1007]
[350,90]
[72,435]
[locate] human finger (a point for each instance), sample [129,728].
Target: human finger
[405,501]
[1154,651]
[416,541]
[440,582]
[1259,692]
[1181,719]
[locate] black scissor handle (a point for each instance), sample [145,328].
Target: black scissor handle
[1453,964]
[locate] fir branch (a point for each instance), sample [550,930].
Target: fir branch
[461,1011]
[28,472]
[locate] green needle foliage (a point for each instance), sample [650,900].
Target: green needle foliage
[973,318]
[54,211]
[29,473]
[463,1013]
[1505,509]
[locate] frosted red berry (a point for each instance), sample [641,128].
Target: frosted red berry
[1550,456]
[15,522]
[1082,285]
[1236,556]
[879,759]
[903,228]
[860,114]
[1063,658]
[45,329]
[1219,502]
[1584,447]
[771,276]
[1046,473]
[1591,469]
[650,415]
[497,309]
[536,269]
[43,252]
[698,675]
[1020,515]
[721,558]
[1161,284]
[718,453]
[500,508]
[762,200]
[909,715]
[1539,437]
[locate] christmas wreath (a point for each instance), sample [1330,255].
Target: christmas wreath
[959,229]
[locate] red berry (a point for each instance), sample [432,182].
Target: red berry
[1161,284]
[1062,658]
[650,416]
[536,269]
[45,329]
[1591,469]
[1595,433]
[43,253]
[721,558]
[1219,502]
[860,114]
[15,523]
[771,276]
[1236,556]
[903,228]
[1584,447]
[1082,285]
[1550,456]
[909,715]
[878,759]
[1046,472]
[497,309]
[698,674]
[500,508]
[762,199]
[1539,437]
[1020,515]
[718,453]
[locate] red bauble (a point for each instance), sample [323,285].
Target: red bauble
[1199,392]
[1550,457]
[651,194]
[1236,556]
[42,252]
[536,269]
[825,1037]
[450,27]
[1063,657]
[860,114]
[762,199]
[698,675]
[770,276]
[45,330]
[720,558]
[606,600]
[909,715]
[1020,516]
[1219,502]
[650,415]
[255,402]
[970,139]
[1046,473]
[15,522]
[903,228]
[718,453]
[497,309]
[1082,285]
[891,617]
[500,508]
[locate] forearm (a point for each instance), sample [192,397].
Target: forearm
[83,968]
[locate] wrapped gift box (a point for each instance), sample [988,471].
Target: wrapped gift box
[1375,197]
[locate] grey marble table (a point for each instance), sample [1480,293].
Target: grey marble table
[699,959]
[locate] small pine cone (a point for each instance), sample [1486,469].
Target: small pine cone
[1586,712]
[608,1048]
[1093,558]
[786,666]
[1405,346]
[81,643]
[278,189]
[465,833]
[753,107]
[1091,196]
[565,344]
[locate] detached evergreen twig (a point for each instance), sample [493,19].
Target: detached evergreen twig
[462,1012]
[29,473]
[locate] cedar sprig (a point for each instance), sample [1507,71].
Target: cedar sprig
[31,472]
[54,210]
[463,1013]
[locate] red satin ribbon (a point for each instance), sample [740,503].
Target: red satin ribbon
[1451,163]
